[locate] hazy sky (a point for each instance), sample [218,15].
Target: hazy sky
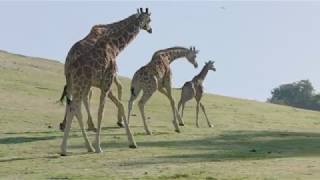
[256,45]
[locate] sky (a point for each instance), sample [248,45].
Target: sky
[256,46]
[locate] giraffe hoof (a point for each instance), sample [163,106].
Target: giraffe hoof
[181,124]
[63,154]
[98,150]
[177,130]
[61,127]
[120,124]
[211,126]
[149,133]
[133,146]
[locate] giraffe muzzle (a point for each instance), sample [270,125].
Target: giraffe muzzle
[149,30]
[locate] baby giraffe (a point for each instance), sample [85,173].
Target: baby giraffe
[156,75]
[194,88]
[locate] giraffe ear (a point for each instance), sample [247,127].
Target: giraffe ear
[141,10]
[147,9]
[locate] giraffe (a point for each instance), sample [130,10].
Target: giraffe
[97,68]
[82,47]
[194,89]
[156,75]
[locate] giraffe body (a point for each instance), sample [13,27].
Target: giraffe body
[156,75]
[97,68]
[194,89]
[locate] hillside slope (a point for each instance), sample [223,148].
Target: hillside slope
[250,140]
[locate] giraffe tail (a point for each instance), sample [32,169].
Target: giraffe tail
[64,94]
[135,90]
[132,91]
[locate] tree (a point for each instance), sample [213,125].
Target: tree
[298,94]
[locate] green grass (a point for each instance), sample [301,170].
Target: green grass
[250,140]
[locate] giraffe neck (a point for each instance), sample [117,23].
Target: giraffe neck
[202,75]
[100,30]
[116,26]
[173,53]
[115,42]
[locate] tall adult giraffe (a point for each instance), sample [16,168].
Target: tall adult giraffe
[97,68]
[156,75]
[194,89]
[84,46]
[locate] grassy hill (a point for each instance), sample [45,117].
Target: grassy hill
[250,140]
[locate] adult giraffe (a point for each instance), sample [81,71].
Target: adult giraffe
[97,68]
[84,46]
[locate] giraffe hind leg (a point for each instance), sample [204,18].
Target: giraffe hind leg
[100,116]
[145,97]
[179,106]
[80,120]
[205,114]
[134,94]
[197,114]
[86,102]
[68,100]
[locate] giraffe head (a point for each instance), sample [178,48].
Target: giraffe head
[144,19]
[191,56]
[210,65]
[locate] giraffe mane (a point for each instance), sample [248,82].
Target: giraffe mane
[169,49]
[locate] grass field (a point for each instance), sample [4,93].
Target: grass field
[250,140]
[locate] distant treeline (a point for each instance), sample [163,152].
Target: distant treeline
[299,94]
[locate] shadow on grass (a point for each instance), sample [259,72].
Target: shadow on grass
[20,139]
[29,158]
[235,145]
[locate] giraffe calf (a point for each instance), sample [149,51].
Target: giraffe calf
[194,89]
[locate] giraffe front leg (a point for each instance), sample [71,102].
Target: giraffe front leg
[181,123]
[132,143]
[205,114]
[119,90]
[176,116]
[175,113]
[182,110]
